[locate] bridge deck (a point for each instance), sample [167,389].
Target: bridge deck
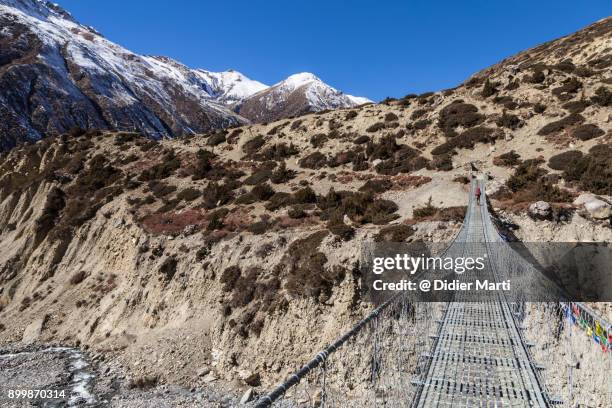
[479,359]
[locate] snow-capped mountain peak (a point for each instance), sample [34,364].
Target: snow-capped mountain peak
[298,80]
[230,87]
[298,94]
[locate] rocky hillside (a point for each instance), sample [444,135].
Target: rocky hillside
[57,74]
[182,257]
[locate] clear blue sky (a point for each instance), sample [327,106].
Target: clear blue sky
[373,48]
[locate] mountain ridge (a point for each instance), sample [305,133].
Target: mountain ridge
[57,74]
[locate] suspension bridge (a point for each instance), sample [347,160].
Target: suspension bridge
[461,353]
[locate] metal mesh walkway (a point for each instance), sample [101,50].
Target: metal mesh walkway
[479,358]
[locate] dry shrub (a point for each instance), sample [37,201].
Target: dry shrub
[593,171]
[278,151]
[394,233]
[568,89]
[360,207]
[508,121]
[78,277]
[375,127]
[281,174]
[229,277]
[172,223]
[587,132]
[391,117]
[361,139]
[427,211]
[168,269]
[576,106]
[376,186]
[559,125]
[457,114]
[602,97]
[160,189]
[252,146]
[188,194]
[562,160]
[54,205]
[467,140]
[306,273]
[529,183]
[168,164]
[314,160]
[350,115]
[215,194]
[508,159]
[144,382]
[216,138]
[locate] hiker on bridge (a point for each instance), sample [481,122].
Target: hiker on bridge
[477,192]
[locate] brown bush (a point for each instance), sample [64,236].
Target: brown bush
[313,161]
[458,114]
[304,196]
[562,160]
[78,277]
[262,191]
[56,201]
[559,125]
[169,163]
[576,106]
[443,162]
[229,277]
[216,138]
[376,186]
[282,174]
[277,152]
[429,210]
[215,194]
[603,97]
[350,115]
[525,175]
[508,159]
[375,127]
[144,382]
[539,108]
[259,176]
[168,269]
[391,117]
[394,233]
[307,275]
[160,189]
[587,132]
[252,146]
[568,89]
[418,113]
[188,194]
[259,227]
[508,121]
[318,140]
[593,171]
[361,139]
[489,88]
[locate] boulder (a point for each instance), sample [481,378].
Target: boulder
[597,207]
[247,396]
[33,331]
[540,209]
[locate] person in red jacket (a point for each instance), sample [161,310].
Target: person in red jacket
[477,195]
